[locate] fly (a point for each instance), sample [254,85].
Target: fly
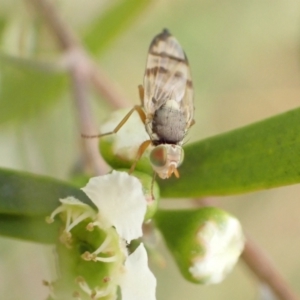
[167,108]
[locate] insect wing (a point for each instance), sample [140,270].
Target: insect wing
[167,76]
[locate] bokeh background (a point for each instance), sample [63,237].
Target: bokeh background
[245,61]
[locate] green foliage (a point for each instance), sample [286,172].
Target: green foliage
[112,23]
[33,229]
[25,201]
[258,156]
[2,25]
[27,89]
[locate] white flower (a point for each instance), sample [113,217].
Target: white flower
[223,246]
[137,282]
[122,207]
[121,203]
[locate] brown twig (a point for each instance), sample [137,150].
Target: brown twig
[266,272]
[65,36]
[82,69]
[91,156]
[68,40]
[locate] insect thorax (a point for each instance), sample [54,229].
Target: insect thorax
[169,125]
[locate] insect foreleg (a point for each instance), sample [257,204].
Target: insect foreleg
[152,185]
[192,123]
[140,152]
[123,121]
[141,93]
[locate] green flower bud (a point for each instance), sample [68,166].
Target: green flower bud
[120,149]
[206,243]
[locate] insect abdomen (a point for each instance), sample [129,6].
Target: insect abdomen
[169,125]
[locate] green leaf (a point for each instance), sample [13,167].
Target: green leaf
[26,89]
[28,195]
[33,229]
[258,156]
[114,21]
[25,201]
[2,25]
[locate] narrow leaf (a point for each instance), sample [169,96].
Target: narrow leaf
[28,195]
[33,229]
[258,156]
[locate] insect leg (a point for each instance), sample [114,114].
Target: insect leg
[192,123]
[135,108]
[141,93]
[140,152]
[152,185]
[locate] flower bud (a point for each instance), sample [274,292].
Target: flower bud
[206,243]
[120,149]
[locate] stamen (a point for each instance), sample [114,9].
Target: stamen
[104,247]
[101,293]
[94,294]
[78,219]
[92,256]
[50,219]
[107,259]
[68,221]
[90,226]
[83,285]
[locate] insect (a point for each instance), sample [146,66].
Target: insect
[167,108]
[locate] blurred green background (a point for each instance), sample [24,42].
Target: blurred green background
[244,57]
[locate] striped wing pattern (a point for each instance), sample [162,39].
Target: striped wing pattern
[167,77]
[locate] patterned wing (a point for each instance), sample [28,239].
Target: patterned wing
[167,77]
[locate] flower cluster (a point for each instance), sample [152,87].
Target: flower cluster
[93,243]
[93,256]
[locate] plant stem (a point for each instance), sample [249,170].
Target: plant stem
[266,272]
[68,40]
[91,157]
[82,70]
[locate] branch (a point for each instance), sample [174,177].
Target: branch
[82,69]
[266,272]
[91,156]
[68,40]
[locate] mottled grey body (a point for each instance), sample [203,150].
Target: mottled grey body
[169,125]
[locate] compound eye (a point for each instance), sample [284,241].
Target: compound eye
[158,156]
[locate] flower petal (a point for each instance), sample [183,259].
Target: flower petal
[121,202]
[223,248]
[138,282]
